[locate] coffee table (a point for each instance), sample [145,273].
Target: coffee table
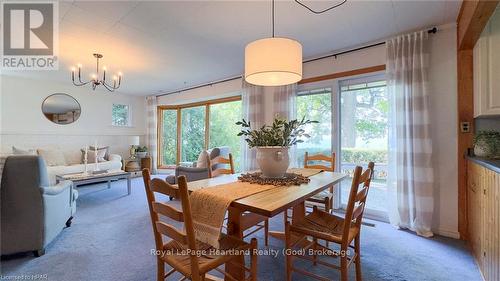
[81,178]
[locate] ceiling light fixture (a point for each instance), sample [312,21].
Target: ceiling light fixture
[274,61]
[95,80]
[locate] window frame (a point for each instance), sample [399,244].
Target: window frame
[129,115]
[178,108]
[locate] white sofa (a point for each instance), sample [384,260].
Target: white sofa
[74,166]
[73,159]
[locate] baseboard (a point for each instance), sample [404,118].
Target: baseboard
[448,233]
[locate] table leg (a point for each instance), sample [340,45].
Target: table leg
[234,229]
[109,184]
[299,212]
[129,185]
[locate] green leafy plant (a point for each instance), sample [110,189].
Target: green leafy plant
[281,133]
[489,140]
[141,149]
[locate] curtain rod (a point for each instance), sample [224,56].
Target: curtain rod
[432,30]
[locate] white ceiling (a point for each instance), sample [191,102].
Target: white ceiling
[168,45]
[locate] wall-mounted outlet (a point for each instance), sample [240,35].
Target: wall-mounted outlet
[465,127]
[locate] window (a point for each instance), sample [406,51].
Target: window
[196,127]
[192,132]
[120,115]
[315,105]
[224,131]
[169,137]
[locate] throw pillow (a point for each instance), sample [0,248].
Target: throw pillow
[106,148]
[202,160]
[21,151]
[92,155]
[102,154]
[53,157]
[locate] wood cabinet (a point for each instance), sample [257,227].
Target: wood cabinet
[487,69]
[483,197]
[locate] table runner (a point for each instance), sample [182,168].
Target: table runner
[209,205]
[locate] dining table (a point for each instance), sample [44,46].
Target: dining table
[250,210]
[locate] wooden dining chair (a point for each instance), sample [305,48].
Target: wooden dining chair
[219,161]
[321,225]
[256,222]
[182,253]
[323,199]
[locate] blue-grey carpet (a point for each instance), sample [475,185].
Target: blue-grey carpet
[111,239]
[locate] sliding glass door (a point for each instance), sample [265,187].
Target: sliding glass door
[353,123]
[363,117]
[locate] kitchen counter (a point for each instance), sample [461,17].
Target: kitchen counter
[492,164]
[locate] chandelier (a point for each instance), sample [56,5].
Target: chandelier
[95,79]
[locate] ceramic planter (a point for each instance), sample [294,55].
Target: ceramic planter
[273,161]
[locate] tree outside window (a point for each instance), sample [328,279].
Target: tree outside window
[120,115]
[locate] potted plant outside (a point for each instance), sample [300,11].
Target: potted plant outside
[273,143]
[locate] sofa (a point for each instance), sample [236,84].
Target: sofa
[33,211]
[69,161]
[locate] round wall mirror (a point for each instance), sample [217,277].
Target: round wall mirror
[61,108]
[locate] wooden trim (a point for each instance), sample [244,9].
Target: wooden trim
[207,125]
[471,21]
[159,125]
[465,110]
[178,108]
[343,74]
[179,136]
[201,103]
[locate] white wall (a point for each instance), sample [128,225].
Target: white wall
[23,124]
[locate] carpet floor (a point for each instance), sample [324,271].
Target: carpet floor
[111,239]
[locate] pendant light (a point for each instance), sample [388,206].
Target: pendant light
[274,61]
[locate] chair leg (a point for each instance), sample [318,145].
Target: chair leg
[343,267]
[357,243]
[39,253]
[160,276]
[266,232]
[253,259]
[288,265]
[315,257]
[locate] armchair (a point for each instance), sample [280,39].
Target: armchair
[33,212]
[200,169]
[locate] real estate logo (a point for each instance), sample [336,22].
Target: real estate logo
[30,35]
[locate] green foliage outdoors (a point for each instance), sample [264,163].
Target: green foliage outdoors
[192,132]
[359,155]
[223,130]
[119,115]
[169,137]
[281,133]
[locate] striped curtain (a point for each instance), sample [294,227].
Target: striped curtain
[285,106]
[151,130]
[410,177]
[253,110]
